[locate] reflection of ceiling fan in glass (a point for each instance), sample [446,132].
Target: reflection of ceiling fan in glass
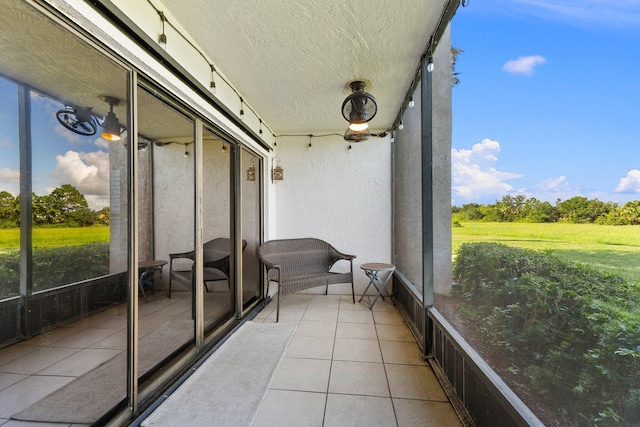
[79,120]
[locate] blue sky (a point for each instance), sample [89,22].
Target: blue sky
[549,100]
[548,106]
[59,156]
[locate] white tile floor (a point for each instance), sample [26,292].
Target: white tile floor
[349,366]
[33,369]
[346,365]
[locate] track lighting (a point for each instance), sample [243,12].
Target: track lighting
[163,37]
[430,65]
[212,85]
[215,75]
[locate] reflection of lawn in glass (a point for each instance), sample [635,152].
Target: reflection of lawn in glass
[60,256]
[614,249]
[42,237]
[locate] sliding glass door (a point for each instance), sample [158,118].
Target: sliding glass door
[250,185]
[166,224]
[219,286]
[64,210]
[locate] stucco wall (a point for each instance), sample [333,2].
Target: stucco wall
[174,197]
[339,196]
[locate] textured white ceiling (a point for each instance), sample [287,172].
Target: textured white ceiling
[292,59]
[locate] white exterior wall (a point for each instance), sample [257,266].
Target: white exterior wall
[339,196]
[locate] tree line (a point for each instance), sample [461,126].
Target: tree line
[65,206]
[577,210]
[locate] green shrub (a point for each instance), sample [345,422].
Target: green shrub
[55,266]
[572,331]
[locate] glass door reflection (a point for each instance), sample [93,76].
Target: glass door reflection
[251,177]
[217,243]
[166,224]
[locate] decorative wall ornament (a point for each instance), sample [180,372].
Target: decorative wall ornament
[251,172]
[278,172]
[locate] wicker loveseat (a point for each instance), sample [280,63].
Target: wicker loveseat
[298,264]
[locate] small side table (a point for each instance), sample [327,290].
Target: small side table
[151,269]
[372,269]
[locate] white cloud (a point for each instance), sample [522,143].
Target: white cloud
[553,189]
[630,183]
[88,172]
[554,185]
[10,180]
[101,142]
[483,152]
[524,65]
[8,175]
[474,176]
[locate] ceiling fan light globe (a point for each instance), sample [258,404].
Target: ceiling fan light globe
[358,127]
[111,128]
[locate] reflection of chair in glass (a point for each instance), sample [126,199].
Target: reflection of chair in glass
[150,275]
[215,263]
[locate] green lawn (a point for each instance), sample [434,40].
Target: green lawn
[614,249]
[45,237]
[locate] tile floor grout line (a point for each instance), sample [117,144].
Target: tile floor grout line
[386,374]
[333,349]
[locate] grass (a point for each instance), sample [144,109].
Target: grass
[613,249]
[48,237]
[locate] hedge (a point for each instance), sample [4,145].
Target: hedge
[55,266]
[570,333]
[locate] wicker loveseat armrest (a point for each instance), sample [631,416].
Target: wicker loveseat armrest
[339,255]
[268,261]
